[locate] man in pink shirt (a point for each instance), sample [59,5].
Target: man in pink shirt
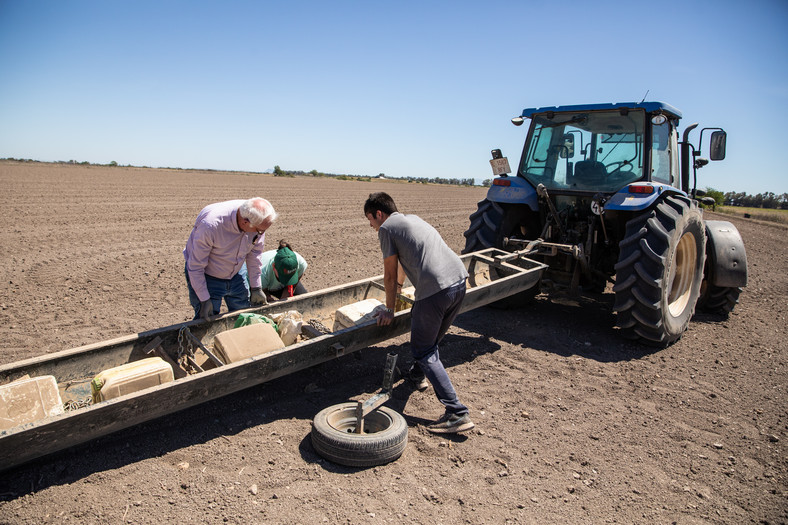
[225,236]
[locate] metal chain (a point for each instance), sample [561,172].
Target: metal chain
[77,404]
[183,352]
[317,325]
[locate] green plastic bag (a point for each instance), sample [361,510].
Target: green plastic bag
[247,319]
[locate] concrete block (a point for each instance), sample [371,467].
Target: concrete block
[28,400]
[355,313]
[239,343]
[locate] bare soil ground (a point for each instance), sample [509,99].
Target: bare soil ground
[574,424]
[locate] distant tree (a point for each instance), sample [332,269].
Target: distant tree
[770,200]
[278,172]
[761,200]
[718,196]
[113,163]
[487,183]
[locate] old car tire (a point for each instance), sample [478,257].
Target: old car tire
[384,439]
[659,271]
[490,224]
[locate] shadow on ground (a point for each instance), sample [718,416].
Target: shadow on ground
[561,324]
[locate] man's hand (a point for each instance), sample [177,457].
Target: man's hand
[383,315]
[206,309]
[257,296]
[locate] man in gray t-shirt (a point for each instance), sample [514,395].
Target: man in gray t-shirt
[428,262]
[413,248]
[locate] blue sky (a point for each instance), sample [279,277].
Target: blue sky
[403,88]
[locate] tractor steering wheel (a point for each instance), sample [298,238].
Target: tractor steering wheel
[619,166]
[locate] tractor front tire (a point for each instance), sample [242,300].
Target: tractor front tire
[718,300]
[384,439]
[659,271]
[715,300]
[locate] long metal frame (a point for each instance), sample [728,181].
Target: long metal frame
[494,275]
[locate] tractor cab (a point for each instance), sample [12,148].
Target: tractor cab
[600,148]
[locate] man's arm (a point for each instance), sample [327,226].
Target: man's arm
[254,261]
[390,279]
[392,283]
[199,253]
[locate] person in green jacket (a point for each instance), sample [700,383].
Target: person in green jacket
[281,272]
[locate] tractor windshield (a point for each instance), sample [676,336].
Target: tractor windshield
[587,151]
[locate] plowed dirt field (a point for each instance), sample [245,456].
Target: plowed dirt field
[573,424]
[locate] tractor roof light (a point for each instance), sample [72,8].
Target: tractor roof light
[502,182]
[641,188]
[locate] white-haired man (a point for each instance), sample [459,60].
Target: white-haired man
[225,236]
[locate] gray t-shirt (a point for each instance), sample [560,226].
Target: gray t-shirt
[428,262]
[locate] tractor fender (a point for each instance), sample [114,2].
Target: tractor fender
[728,258]
[628,200]
[513,190]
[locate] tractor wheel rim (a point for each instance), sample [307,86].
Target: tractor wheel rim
[684,262]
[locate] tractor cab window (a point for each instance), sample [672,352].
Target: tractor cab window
[663,152]
[590,151]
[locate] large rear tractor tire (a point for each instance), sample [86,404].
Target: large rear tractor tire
[659,271]
[491,223]
[485,227]
[384,439]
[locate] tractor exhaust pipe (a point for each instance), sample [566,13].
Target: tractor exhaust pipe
[685,158]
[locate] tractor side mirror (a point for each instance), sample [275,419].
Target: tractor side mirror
[717,149]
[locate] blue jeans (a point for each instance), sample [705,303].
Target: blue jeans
[234,291]
[430,320]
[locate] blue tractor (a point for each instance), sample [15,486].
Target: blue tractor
[606,193]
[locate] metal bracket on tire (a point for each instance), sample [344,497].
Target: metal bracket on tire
[365,407]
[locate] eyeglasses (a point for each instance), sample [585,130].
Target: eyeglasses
[256,228]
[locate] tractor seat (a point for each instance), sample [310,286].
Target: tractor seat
[590,173]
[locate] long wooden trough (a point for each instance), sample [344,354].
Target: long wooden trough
[493,275]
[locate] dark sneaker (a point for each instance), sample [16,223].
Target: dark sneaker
[451,424]
[417,380]
[420,384]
